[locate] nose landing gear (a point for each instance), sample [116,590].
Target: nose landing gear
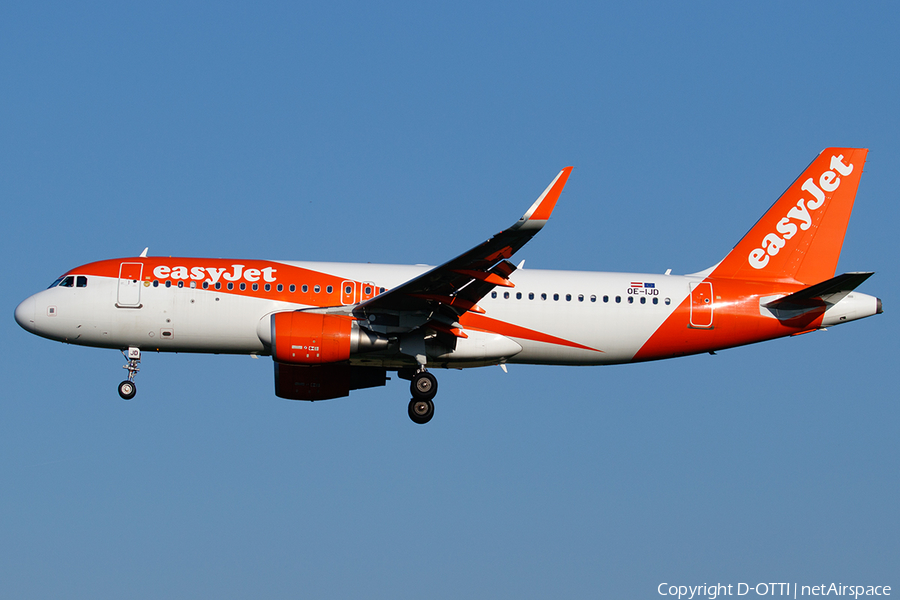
[127,389]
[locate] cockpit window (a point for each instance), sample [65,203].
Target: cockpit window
[56,283]
[67,282]
[81,281]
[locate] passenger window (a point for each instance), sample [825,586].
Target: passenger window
[205,285]
[668,301]
[543,296]
[518,295]
[304,288]
[255,286]
[368,290]
[218,285]
[643,300]
[268,287]
[348,289]
[317,289]
[630,299]
[293,288]
[656,301]
[280,287]
[156,283]
[506,295]
[81,281]
[618,299]
[555,296]
[330,289]
[169,283]
[244,286]
[606,298]
[568,297]
[531,295]
[181,284]
[593,298]
[380,290]
[230,286]
[493,294]
[194,285]
[581,297]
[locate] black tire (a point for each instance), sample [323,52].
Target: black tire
[421,411]
[423,386]
[127,390]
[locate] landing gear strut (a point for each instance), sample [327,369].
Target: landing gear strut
[423,388]
[127,389]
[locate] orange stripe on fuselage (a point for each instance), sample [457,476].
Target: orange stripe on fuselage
[235,272]
[736,321]
[483,323]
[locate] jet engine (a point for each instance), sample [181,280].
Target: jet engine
[304,338]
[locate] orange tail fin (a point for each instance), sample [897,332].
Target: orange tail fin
[799,239]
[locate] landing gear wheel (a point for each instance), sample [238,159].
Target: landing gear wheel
[127,390]
[421,411]
[423,386]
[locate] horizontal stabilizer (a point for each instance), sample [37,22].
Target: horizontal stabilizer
[830,291]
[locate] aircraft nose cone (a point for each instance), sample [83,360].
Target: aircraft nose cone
[25,314]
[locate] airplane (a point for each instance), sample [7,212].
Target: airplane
[336,327]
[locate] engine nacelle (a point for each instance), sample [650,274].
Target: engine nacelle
[305,338]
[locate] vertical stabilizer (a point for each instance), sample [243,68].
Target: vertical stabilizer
[799,239]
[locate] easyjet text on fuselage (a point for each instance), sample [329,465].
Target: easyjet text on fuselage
[235,272]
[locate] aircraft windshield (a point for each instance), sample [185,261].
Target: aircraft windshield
[70,281]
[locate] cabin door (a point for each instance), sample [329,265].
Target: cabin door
[129,293]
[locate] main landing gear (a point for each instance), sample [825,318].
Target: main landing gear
[127,389]
[423,388]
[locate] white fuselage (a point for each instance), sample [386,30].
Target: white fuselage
[549,317]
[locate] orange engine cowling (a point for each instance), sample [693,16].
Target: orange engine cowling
[304,338]
[310,339]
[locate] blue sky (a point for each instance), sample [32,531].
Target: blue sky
[407,133]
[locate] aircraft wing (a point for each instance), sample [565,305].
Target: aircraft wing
[456,286]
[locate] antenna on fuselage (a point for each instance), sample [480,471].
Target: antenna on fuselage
[144,253]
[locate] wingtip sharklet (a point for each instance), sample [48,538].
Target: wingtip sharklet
[540,211]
